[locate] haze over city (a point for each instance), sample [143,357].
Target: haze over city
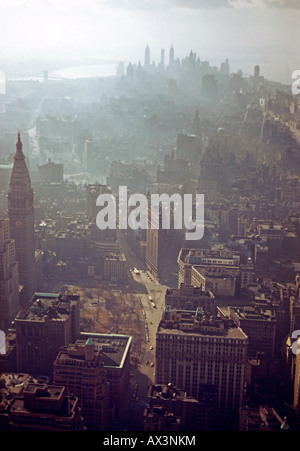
[149,218]
[246,32]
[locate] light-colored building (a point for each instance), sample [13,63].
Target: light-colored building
[221,281]
[193,349]
[187,258]
[190,298]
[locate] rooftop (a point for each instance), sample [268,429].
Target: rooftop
[194,256]
[188,291]
[253,313]
[113,348]
[217,271]
[48,306]
[44,399]
[169,392]
[188,322]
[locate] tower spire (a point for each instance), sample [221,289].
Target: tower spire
[19,144]
[20,202]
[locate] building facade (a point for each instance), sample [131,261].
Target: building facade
[80,368]
[115,266]
[260,326]
[156,243]
[221,281]
[9,278]
[115,351]
[172,402]
[190,298]
[187,258]
[194,349]
[21,220]
[45,408]
[51,321]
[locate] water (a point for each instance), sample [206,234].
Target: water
[85,71]
[276,69]
[102,70]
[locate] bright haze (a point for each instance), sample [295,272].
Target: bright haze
[247,32]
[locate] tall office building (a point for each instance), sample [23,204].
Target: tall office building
[80,368]
[162,59]
[115,355]
[21,217]
[51,321]
[171,56]
[156,243]
[147,57]
[9,277]
[196,351]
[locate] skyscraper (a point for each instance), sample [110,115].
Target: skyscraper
[171,56]
[162,58]
[156,243]
[147,57]
[51,321]
[21,217]
[79,367]
[196,352]
[9,277]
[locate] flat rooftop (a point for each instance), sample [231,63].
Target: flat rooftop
[230,332]
[51,306]
[114,347]
[45,391]
[198,323]
[188,291]
[252,313]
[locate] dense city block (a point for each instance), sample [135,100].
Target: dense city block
[140,328]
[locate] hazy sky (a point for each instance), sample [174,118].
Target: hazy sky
[264,32]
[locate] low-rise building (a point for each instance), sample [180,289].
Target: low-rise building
[173,402]
[190,298]
[28,404]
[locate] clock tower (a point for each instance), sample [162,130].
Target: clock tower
[21,218]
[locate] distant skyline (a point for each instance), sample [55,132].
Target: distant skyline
[247,32]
